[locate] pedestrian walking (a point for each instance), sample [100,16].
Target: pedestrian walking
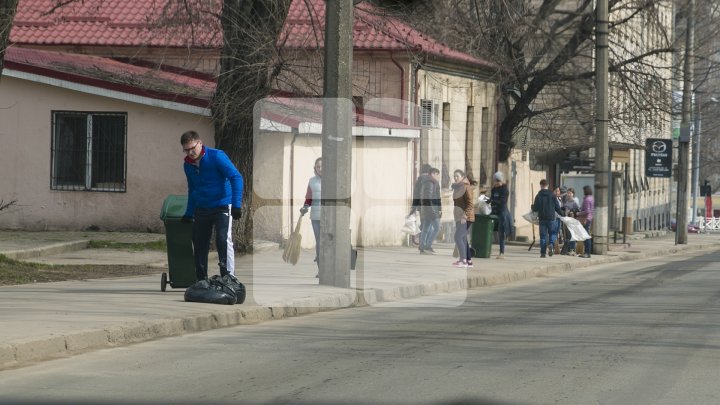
[424,173]
[464,216]
[499,202]
[585,216]
[430,210]
[547,206]
[312,202]
[215,189]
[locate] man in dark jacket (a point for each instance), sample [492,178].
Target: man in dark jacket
[430,210]
[424,174]
[546,205]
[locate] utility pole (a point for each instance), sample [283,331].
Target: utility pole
[334,260]
[681,233]
[602,153]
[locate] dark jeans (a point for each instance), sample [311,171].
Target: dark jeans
[588,242]
[546,232]
[461,241]
[316,232]
[205,220]
[430,228]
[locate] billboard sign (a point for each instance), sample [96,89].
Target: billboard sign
[658,157]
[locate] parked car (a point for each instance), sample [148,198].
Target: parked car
[690,227]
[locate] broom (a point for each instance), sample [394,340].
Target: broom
[291,254]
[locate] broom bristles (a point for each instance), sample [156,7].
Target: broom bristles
[291,254]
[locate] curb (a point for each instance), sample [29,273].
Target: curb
[52,249]
[22,353]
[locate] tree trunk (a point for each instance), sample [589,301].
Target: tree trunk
[251,29]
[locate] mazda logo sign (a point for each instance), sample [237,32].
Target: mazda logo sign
[659,146]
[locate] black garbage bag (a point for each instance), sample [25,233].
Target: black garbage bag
[211,292]
[233,283]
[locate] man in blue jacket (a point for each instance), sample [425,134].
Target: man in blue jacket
[546,205]
[215,190]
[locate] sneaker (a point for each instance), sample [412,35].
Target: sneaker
[430,250]
[469,264]
[550,250]
[460,264]
[500,256]
[542,256]
[586,255]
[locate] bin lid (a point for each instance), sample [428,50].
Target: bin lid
[174,206]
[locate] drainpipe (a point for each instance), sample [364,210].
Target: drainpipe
[402,88]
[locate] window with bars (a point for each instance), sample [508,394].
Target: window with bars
[89,151]
[429,113]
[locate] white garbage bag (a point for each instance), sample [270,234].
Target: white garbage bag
[484,205]
[577,230]
[532,217]
[411,227]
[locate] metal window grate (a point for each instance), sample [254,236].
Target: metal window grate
[89,151]
[427,113]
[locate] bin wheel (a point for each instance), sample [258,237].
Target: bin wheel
[163,282]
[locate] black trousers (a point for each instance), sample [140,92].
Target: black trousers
[205,219]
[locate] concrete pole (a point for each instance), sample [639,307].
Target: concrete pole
[602,154]
[334,260]
[681,233]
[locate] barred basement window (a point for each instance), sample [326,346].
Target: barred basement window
[429,113]
[89,151]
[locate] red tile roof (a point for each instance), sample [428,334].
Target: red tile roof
[145,23]
[112,75]
[116,23]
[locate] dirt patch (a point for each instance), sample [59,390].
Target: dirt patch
[14,272]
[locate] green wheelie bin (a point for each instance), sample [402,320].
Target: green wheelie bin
[178,234]
[482,235]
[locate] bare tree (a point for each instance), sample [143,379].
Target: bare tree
[249,62]
[7,14]
[545,51]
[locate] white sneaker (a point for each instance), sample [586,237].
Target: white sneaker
[460,264]
[500,256]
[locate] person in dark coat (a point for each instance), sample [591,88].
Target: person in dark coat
[499,201]
[430,210]
[547,207]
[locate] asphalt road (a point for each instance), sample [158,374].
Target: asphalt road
[638,332]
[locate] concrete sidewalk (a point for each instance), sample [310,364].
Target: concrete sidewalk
[47,320]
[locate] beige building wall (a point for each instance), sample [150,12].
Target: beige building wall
[381,181]
[466,111]
[154,161]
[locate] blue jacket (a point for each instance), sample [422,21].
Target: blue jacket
[215,182]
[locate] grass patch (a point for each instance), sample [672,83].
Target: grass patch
[159,245]
[14,272]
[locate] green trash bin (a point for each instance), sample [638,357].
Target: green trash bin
[178,234]
[482,235]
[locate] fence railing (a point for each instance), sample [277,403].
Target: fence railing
[709,223]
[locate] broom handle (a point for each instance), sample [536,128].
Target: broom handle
[297,227]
